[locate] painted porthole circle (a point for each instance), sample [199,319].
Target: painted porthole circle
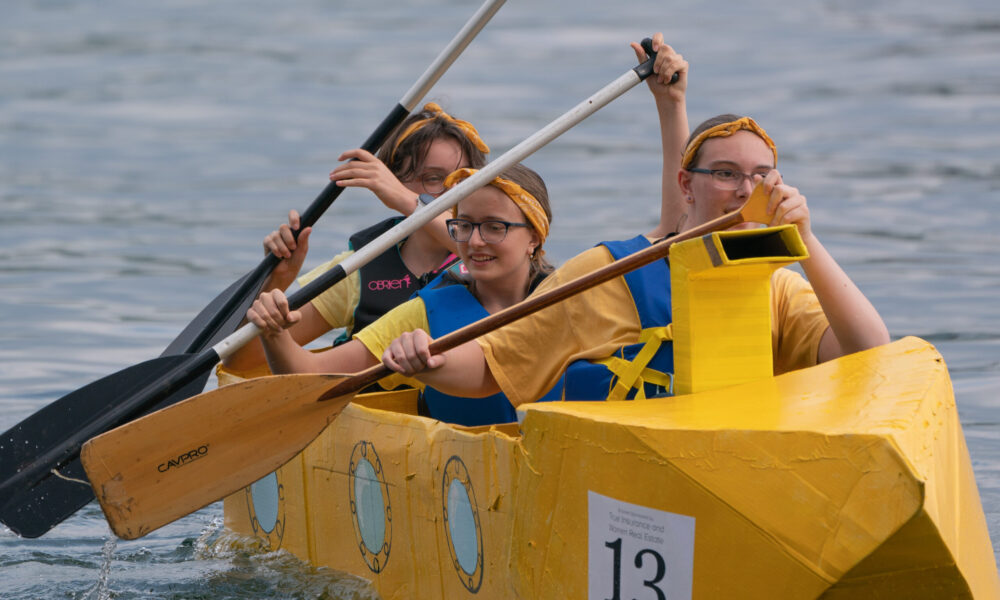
[266,509]
[370,508]
[461,523]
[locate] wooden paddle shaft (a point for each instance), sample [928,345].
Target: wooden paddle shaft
[660,249]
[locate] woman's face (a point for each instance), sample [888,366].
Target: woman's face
[496,262]
[444,155]
[745,152]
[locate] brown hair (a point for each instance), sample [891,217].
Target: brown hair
[406,160]
[533,184]
[704,126]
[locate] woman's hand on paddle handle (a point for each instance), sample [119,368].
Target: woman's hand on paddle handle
[271,314]
[283,244]
[367,171]
[786,205]
[410,354]
[667,65]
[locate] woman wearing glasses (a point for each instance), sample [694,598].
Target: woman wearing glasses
[812,321]
[499,231]
[409,170]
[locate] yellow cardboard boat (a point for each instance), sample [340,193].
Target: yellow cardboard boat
[850,479]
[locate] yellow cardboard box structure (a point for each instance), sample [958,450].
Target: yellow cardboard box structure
[846,480]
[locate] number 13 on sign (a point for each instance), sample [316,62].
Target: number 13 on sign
[636,552]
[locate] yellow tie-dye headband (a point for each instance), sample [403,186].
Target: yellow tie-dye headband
[435,110]
[726,130]
[530,206]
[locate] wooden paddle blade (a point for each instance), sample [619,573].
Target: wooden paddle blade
[754,210]
[32,506]
[166,465]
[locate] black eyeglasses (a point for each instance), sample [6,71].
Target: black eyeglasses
[728,179]
[492,232]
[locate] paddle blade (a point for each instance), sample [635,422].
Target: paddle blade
[33,511]
[166,465]
[221,316]
[754,210]
[37,504]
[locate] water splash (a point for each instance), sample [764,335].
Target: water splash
[102,589]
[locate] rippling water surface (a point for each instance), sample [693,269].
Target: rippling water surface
[146,148]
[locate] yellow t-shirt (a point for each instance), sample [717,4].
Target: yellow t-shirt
[528,356]
[407,316]
[337,304]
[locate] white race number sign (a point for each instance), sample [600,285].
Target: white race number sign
[638,553]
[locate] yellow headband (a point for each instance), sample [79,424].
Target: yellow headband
[435,110]
[726,130]
[530,206]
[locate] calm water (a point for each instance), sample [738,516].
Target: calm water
[146,148]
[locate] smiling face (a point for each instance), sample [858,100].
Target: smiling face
[505,263]
[744,151]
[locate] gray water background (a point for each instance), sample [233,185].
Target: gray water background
[146,149]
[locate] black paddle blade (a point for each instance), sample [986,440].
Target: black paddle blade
[41,502]
[224,314]
[34,512]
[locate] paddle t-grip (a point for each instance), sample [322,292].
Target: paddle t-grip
[647,46]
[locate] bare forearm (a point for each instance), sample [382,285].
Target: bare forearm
[285,355]
[465,373]
[673,136]
[439,231]
[853,319]
[437,228]
[311,326]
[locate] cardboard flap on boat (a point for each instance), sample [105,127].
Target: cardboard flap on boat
[720,295]
[772,246]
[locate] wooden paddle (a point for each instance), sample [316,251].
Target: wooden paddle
[28,471]
[40,471]
[171,463]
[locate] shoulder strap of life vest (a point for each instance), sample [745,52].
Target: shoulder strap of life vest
[632,367]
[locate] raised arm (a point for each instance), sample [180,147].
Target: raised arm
[671,110]
[367,171]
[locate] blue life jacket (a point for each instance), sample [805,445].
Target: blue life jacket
[640,370]
[450,306]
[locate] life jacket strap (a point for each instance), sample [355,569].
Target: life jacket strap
[634,373]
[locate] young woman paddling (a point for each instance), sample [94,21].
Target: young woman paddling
[499,231]
[410,169]
[722,161]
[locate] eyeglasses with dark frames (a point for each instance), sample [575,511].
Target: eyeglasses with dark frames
[492,231]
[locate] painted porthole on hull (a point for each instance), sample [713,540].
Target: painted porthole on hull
[266,508]
[369,501]
[461,523]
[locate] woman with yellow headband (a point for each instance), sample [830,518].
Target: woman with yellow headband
[591,340]
[411,168]
[499,231]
